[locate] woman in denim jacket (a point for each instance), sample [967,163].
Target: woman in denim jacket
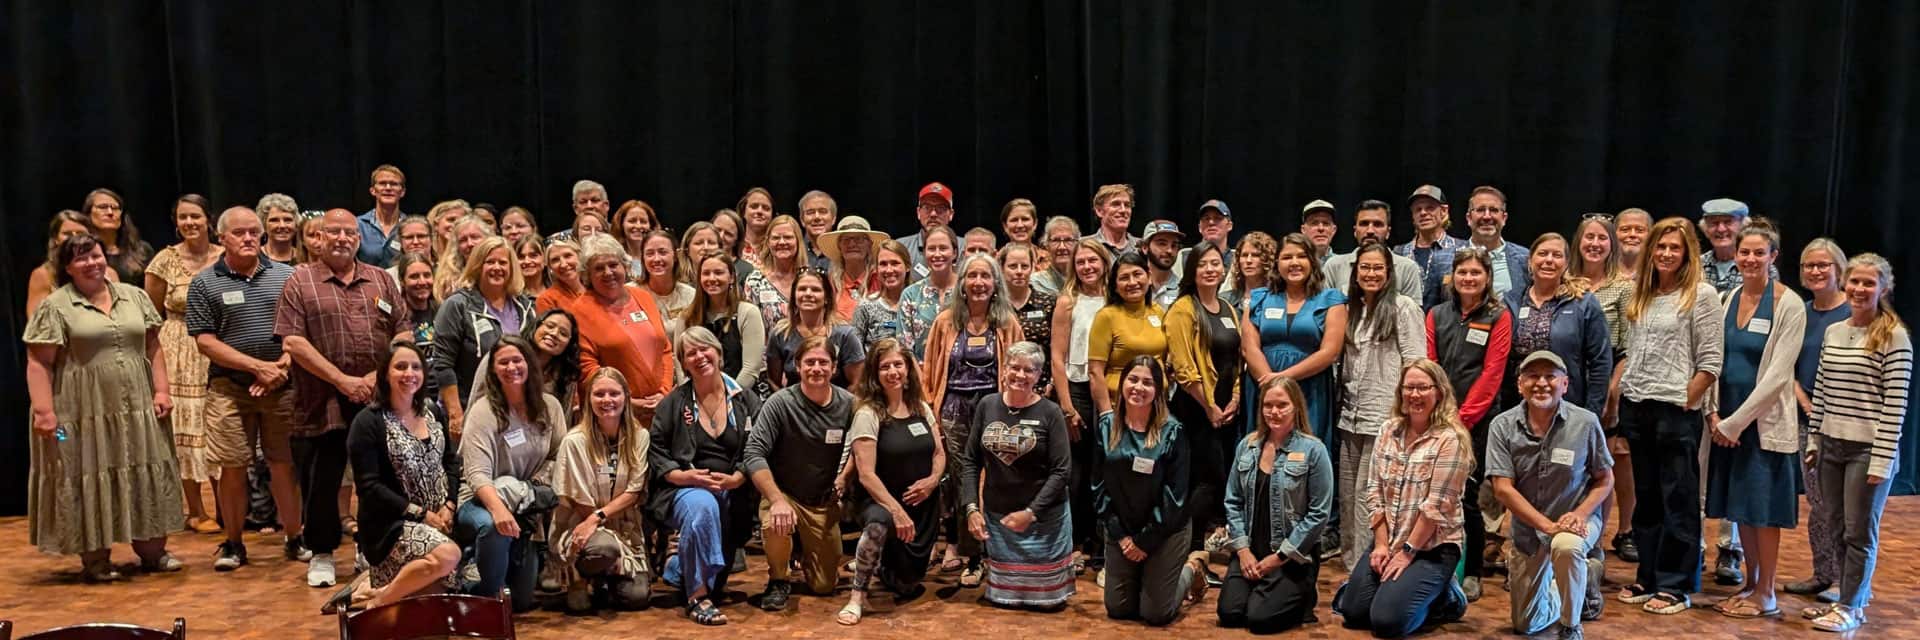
[1279,497]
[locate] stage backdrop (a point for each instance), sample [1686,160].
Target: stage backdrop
[1806,110]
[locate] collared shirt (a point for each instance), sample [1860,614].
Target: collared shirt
[1502,277]
[1166,293]
[1552,472]
[376,248]
[1724,275]
[920,303]
[348,321]
[238,309]
[1420,479]
[1425,256]
[1132,242]
[1299,496]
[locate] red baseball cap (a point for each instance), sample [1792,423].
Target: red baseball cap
[938,190]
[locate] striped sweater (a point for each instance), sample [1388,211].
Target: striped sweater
[1861,396]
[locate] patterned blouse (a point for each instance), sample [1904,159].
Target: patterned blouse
[1420,479]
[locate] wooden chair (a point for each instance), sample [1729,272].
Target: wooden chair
[432,616]
[102,631]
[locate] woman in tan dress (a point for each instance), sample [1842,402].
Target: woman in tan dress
[168,275]
[102,466]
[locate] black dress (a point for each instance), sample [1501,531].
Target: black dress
[903,455]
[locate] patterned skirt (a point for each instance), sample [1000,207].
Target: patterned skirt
[416,541]
[1032,569]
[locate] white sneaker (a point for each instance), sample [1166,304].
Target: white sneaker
[320,570]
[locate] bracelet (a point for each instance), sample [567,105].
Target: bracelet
[973,508]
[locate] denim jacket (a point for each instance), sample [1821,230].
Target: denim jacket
[1300,490]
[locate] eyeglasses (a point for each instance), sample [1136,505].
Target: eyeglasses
[935,208]
[1416,389]
[1486,210]
[1817,266]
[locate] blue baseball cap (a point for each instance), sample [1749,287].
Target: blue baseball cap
[1216,205]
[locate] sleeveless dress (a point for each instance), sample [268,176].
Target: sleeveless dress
[1747,484]
[186,368]
[1286,339]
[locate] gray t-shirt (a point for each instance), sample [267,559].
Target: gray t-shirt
[800,442]
[1551,472]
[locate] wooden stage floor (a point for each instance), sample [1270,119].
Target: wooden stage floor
[270,599]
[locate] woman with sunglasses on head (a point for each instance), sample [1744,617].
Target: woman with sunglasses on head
[1753,469]
[600,476]
[1386,331]
[717,305]
[406,472]
[811,315]
[168,275]
[1469,335]
[1203,350]
[1822,267]
[1141,498]
[897,449]
[1675,347]
[1413,499]
[1859,412]
[924,299]
[1272,580]
[119,237]
[968,341]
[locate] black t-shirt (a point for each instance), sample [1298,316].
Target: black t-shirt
[1223,345]
[1024,455]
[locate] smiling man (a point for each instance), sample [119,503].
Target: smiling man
[1487,217]
[1372,223]
[934,208]
[1113,213]
[793,457]
[1431,215]
[377,247]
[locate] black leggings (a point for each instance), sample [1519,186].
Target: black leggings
[1475,555]
[1086,461]
[1212,455]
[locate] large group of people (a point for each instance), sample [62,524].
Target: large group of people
[617,407]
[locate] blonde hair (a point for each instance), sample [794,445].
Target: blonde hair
[1646,285]
[1885,321]
[1572,285]
[1610,268]
[1073,275]
[1299,398]
[632,433]
[1446,409]
[1109,191]
[450,273]
[799,241]
[476,260]
[439,212]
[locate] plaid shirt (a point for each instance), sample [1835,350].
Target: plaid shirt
[349,322]
[1412,480]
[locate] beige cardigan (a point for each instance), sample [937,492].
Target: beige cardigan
[1771,405]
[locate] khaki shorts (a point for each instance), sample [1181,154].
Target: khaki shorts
[235,419]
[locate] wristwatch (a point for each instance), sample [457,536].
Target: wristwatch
[599,515]
[1407,547]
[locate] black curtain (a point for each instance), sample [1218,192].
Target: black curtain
[1806,110]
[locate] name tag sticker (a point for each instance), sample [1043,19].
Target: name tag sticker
[1142,465]
[1030,421]
[976,341]
[384,307]
[921,269]
[234,297]
[394,244]
[481,327]
[1761,326]
[637,316]
[1526,312]
[515,438]
[1037,314]
[1275,314]
[1226,322]
[1563,457]
[917,429]
[836,436]
[1154,321]
[1296,456]
[1477,336]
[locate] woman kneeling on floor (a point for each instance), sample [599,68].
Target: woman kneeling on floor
[600,475]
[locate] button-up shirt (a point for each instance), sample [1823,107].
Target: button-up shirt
[1426,256]
[349,321]
[1420,479]
[1553,471]
[376,248]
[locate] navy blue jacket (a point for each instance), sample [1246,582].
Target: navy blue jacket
[1436,289]
[1580,337]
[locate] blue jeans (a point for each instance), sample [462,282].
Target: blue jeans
[1665,439]
[503,561]
[1398,608]
[1853,511]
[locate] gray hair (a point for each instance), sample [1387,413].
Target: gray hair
[226,217]
[1034,354]
[279,201]
[1058,222]
[587,186]
[816,193]
[695,335]
[598,246]
[1832,248]
[999,307]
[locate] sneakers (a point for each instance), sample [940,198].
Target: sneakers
[1101,578]
[1726,567]
[776,595]
[970,577]
[1470,586]
[296,549]
[1624,547]
[166,563]
[230,556]
[320,570]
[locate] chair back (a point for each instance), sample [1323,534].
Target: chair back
[432,616]
[102,631]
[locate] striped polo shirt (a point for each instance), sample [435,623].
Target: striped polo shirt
[239,310]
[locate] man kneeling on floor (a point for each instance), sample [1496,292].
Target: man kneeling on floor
[793,456]
[1549,465]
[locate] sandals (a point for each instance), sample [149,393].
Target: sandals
[349,526]
[1634,594]
[704,613]
[1840,618]
[849,615]
[203,525]
[970,578]
[1740,607]
[1666,604]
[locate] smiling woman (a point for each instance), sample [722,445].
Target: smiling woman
[167,278]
